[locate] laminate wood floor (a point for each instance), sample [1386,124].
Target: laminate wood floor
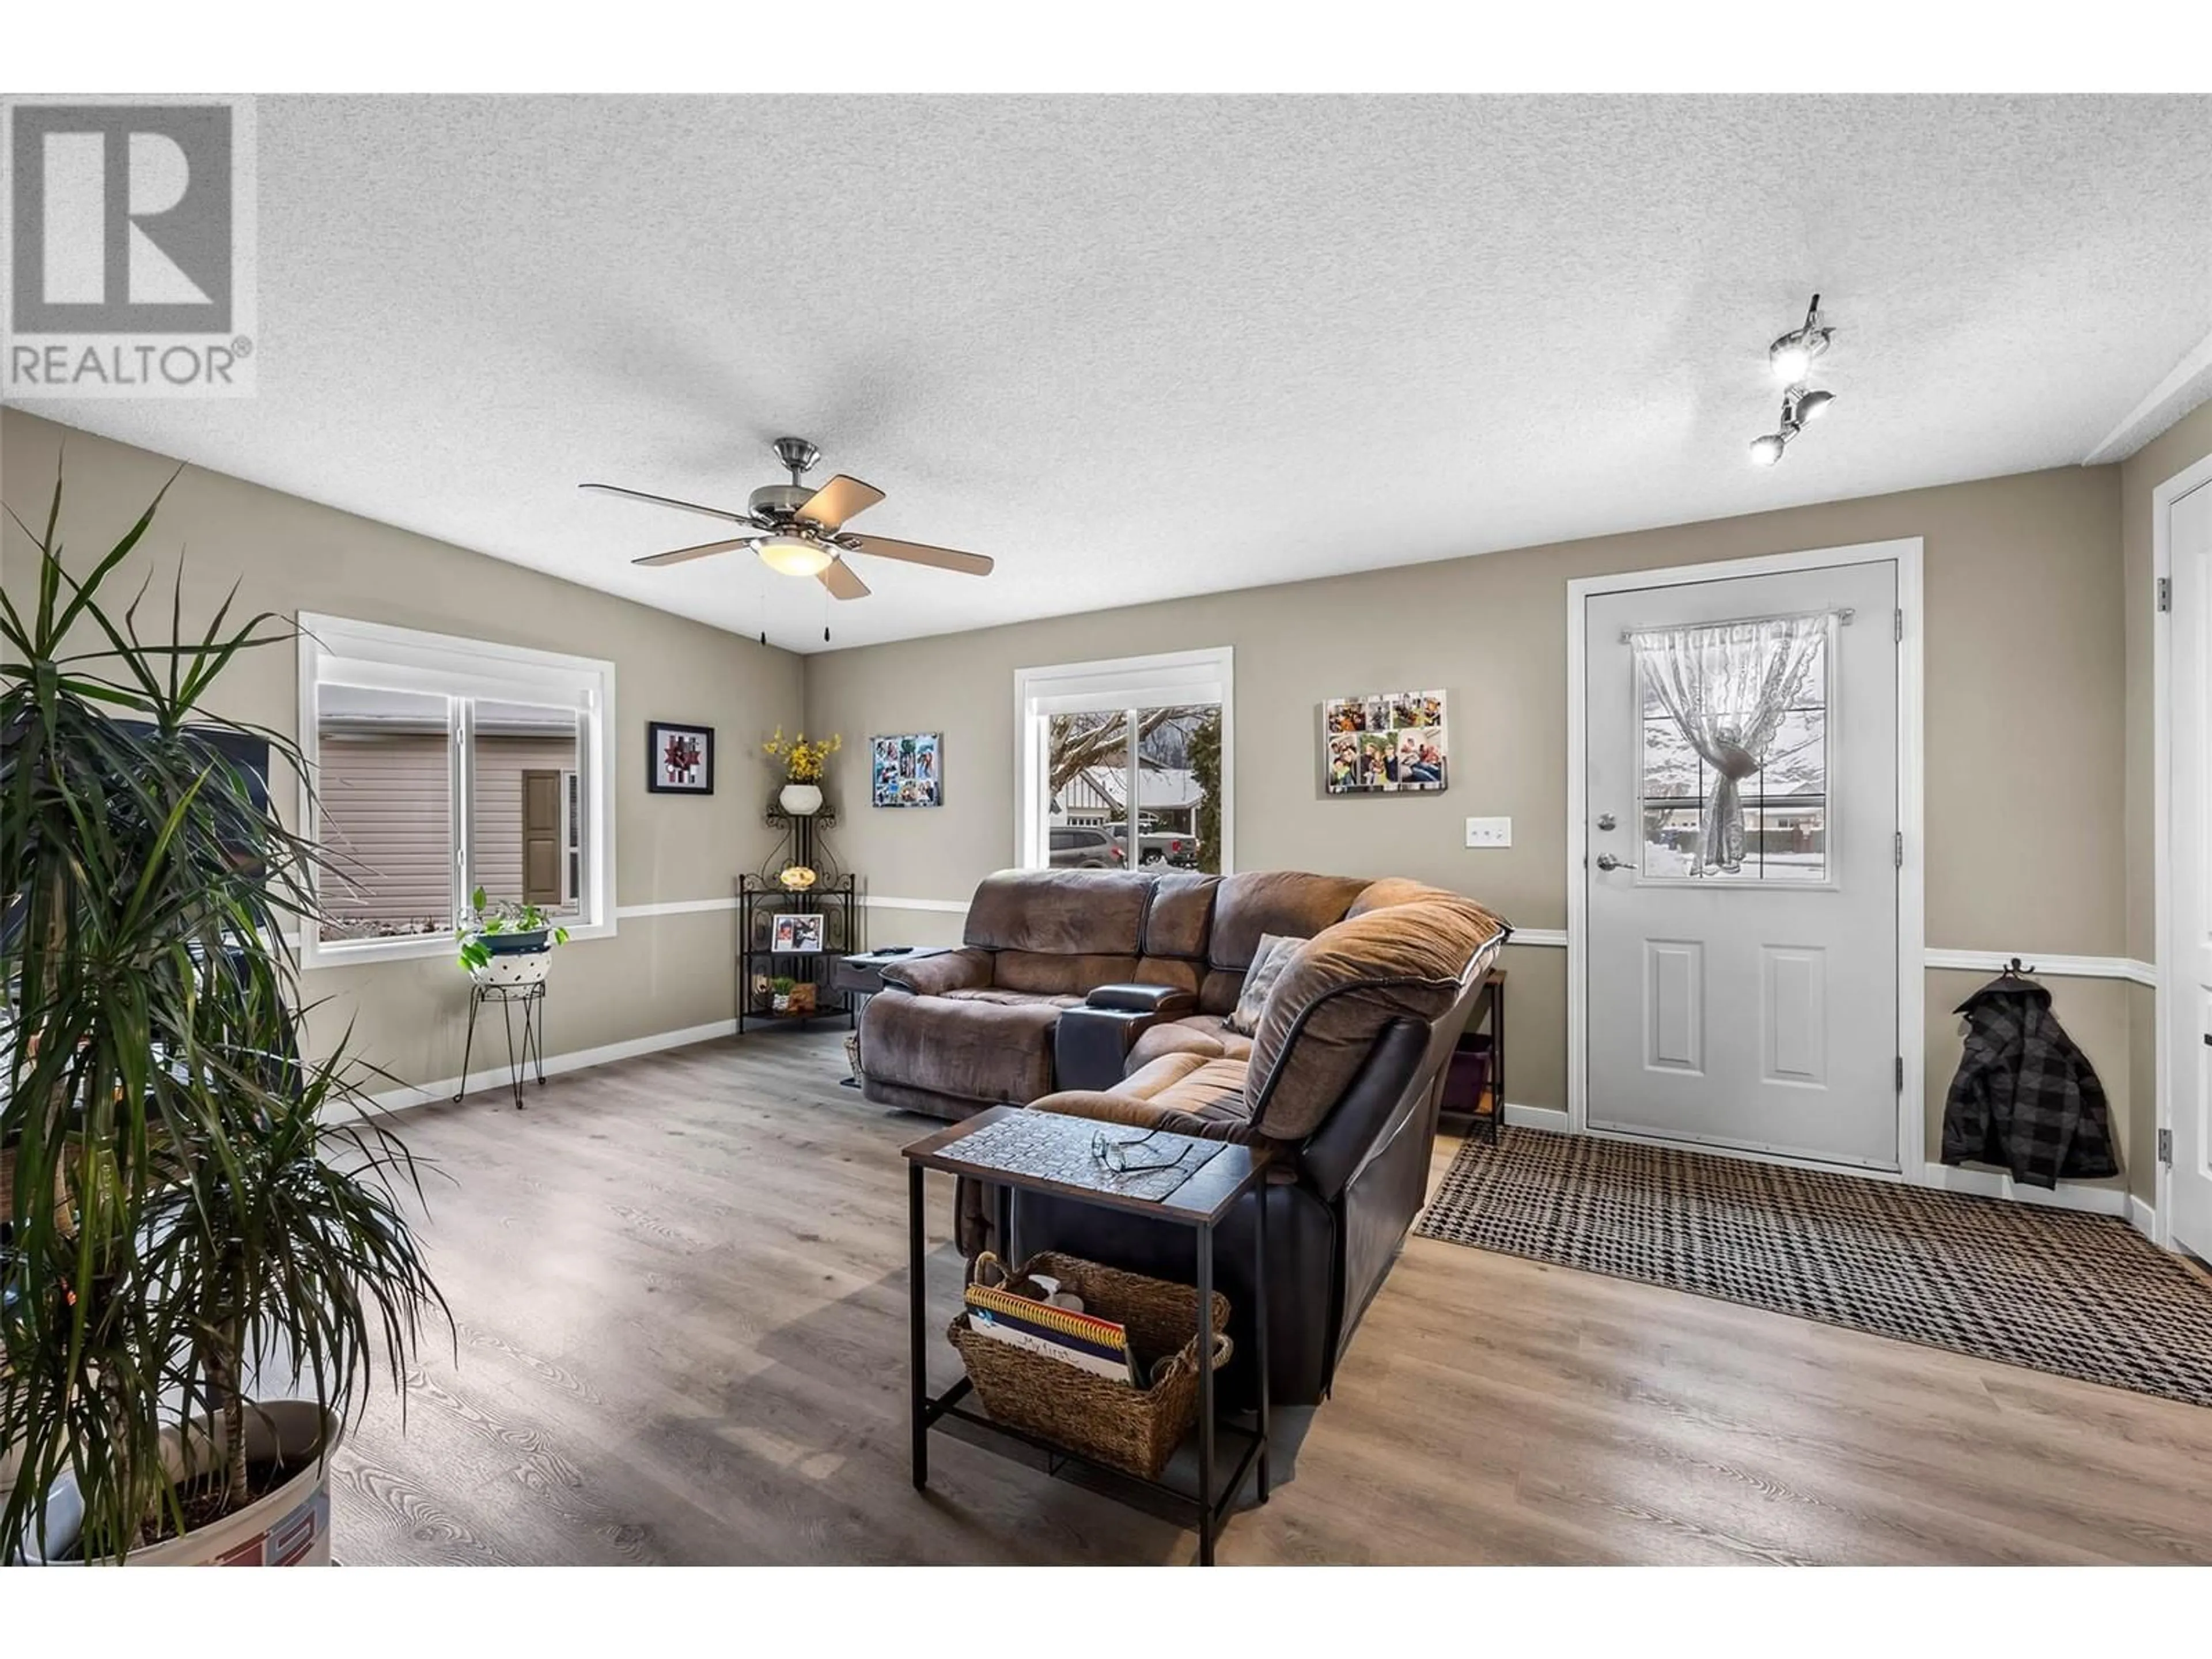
[678,1285]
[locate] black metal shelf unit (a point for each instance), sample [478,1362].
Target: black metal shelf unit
[835,896]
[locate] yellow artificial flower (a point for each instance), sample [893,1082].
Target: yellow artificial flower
[802,761]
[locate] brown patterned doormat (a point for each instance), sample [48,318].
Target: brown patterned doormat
[2084,1296]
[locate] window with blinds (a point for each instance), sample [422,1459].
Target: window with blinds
[439,766]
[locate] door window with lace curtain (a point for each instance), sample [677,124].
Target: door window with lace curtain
[1733,723]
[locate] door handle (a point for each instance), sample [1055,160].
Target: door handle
[1607,861]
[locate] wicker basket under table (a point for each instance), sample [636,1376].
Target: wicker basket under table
[1131,1429]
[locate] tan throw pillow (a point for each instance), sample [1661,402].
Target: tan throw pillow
[1270,957]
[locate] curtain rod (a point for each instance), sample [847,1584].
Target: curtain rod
[1843,614]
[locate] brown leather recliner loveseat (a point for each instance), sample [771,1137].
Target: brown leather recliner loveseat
[1104,994]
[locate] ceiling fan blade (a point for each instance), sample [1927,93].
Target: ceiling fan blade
[682,555]
[668,501]
[842,581]
[943,558]
[840,499]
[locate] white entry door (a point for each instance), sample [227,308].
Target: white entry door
[1741,863]
[2189,980]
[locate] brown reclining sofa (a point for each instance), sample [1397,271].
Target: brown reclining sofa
[1103,995]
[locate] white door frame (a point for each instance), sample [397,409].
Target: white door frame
[2162,498]
[1911,895]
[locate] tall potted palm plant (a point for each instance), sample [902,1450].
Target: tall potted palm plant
[199,1213]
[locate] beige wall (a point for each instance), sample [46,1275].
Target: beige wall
[659,973]
[2026,661]
[2037,648]
[2181,445]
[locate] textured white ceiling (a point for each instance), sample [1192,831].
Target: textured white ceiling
[1137,348]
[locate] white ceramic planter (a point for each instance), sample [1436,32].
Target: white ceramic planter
[289,1528]
[515,967]
[801,800]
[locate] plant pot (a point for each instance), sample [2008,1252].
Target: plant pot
[514,962]
[289,1526]
[801,800]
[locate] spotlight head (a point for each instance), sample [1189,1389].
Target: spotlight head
[1814,404]
[1791,357]
[1765,452]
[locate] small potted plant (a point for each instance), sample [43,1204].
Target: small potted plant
[506,943]
[779,990]
[803,766]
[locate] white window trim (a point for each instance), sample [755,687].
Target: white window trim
[1148,682]
[572,825]
[379,655]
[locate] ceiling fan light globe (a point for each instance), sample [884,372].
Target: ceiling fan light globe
[1765,451]
[791,555]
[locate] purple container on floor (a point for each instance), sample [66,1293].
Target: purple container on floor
[1469,1077]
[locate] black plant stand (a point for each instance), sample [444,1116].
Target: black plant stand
[532,998]
[835,897]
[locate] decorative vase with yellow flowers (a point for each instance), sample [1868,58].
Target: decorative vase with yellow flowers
[803,765]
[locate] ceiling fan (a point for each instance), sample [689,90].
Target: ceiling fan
[801,532]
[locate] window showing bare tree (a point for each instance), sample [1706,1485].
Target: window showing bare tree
[1158,767]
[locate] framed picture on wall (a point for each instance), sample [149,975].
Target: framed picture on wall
[907,770]
[1388,742]
[679,758]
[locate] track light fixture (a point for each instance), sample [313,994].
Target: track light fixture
[1791,357]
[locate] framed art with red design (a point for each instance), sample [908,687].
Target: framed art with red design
[679,758]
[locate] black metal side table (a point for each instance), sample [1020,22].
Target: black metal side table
[1486,1027]
[532,998]
[1200,1203]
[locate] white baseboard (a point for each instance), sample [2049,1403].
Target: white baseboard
[2067,1195]
[2142,1217]
[1551,1119]
[576,1059]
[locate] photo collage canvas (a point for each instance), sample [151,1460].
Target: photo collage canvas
[1388,742]
[908,770]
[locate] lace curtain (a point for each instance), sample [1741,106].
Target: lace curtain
[1726,686]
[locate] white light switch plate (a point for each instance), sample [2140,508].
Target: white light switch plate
[1490,832]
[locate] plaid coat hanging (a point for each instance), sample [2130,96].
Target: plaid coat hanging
[2025,1097]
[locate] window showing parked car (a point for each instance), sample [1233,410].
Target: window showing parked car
[1158,846]
[1076,846]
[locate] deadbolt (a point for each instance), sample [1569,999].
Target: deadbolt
[1606,821]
